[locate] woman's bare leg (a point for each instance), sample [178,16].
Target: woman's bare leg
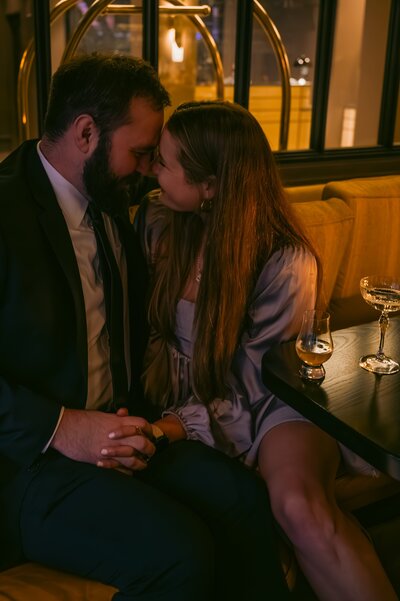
[299,463]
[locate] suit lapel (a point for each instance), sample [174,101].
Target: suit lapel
[54,227]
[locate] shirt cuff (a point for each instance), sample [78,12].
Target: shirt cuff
[54,431]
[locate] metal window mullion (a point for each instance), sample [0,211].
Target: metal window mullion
[41,12]
[244,31]
[322,73]
[150,32]
[391,79]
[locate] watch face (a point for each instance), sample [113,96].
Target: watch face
[160,440]
[157,432]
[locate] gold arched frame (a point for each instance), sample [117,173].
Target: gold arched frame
[270,30]
[105,6]
[25,68]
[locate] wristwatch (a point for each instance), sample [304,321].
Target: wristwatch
[160,439]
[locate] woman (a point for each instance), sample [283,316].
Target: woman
[232,274]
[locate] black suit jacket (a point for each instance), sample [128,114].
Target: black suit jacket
[43,341]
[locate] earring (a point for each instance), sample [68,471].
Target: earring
[206,205]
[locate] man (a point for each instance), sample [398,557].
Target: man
[151,526]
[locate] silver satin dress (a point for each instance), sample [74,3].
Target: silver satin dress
[237,423]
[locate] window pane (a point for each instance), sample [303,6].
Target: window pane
[109,32]
[196,64]
[296,22]
[192,63]
[357,73]
[16,25]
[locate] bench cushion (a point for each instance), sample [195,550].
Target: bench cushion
[33,582]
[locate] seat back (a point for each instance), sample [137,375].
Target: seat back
[374,246]
[328,224]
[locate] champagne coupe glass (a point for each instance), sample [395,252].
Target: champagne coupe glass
[383,293]
[314,344]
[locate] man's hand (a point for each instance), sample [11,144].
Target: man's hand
[83,435]
[124,435]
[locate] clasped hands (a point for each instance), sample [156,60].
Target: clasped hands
[133,448]
[109,440]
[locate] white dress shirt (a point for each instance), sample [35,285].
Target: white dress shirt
[73,206]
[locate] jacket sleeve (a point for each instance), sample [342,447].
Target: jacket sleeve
[28,413]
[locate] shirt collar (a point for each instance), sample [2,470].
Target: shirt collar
[72,203]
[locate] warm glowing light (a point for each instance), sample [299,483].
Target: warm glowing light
[177,52]
[348,126]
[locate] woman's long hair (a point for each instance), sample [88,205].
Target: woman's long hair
[250,219]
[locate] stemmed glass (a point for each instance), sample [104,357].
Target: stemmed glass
[383,293]
[314,344]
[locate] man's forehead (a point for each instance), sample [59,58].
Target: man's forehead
[142,129]
[142,107]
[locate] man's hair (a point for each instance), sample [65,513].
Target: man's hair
[103,87]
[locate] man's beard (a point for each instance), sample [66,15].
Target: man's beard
[108,192]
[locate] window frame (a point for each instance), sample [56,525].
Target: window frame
[318,164]
[315,165]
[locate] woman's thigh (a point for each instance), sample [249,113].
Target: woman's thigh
[298,456]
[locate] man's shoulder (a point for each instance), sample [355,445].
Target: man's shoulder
[17,163]
[16,172]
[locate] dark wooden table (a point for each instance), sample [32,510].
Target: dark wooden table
[358,408]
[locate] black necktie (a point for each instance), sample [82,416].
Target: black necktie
[113,295]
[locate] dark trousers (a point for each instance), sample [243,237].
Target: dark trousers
[194,526]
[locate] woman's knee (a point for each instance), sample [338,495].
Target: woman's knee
[304,518]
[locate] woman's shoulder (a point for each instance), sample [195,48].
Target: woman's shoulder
[150,221]
[285,267]
[286,286]
[293,257]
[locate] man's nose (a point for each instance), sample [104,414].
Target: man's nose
[144,165]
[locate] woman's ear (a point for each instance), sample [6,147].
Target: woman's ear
[85,133]
[209,187]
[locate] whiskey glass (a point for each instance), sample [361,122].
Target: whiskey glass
[314,344]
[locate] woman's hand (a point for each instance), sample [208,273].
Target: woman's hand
[133,447]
